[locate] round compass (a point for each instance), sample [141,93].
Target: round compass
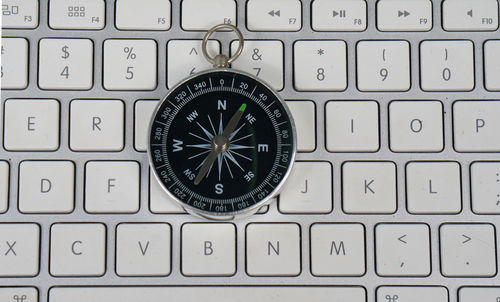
[222,143]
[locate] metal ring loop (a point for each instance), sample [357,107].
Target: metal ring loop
[212,31]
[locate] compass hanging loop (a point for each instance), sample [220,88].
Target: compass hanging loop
[221,60]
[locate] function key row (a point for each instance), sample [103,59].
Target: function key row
[131,64]
[277,15]
[272,249]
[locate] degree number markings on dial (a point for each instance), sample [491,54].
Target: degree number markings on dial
[234,126]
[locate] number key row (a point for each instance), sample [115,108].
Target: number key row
[131,64]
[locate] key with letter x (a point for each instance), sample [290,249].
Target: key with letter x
[19,249]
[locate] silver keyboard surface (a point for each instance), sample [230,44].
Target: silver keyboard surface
[392,249]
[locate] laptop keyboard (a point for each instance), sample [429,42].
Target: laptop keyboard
[394,197]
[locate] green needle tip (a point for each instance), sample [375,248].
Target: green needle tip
[242,108]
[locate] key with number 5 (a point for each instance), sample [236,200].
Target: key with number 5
[130,64]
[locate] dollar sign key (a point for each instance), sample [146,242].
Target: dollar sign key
[65,51]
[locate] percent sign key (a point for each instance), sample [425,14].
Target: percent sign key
[130,64]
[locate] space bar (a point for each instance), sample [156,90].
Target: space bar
[208,294]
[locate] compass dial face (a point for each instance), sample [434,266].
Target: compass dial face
[222,143]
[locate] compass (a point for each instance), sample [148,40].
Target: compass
[222,143]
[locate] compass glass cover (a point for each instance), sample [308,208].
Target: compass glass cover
[252,159]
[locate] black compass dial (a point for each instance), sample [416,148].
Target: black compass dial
[222,142]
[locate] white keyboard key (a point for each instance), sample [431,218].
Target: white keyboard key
[112,186]
[273,249]
[474,294]
[4,186]
[339,15]
[337,249]
[416,126]
[209,293]
[276,15]
[263,59]
[304,116]
[22,294]
[65,64]
[204,14]
[433,188]
[476,126]
[383,65]
[352,126]
[159,201]
[468,250]
[143,111]
[308,189]
[185,58]
[369,187]
[320,65]
[208,249]
[19,254]
[77,249]
[485,187]
[410,293]
[77,14]
[19,14]
[96,125]
[402,249]
[492,65]
[31,125]
[143,249]
[14,63]
[46,186]
[447,65]
[470,15]
[129,64]
[150,15]
[404,15]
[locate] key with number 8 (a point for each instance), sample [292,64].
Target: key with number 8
[129,64]
[320,65]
